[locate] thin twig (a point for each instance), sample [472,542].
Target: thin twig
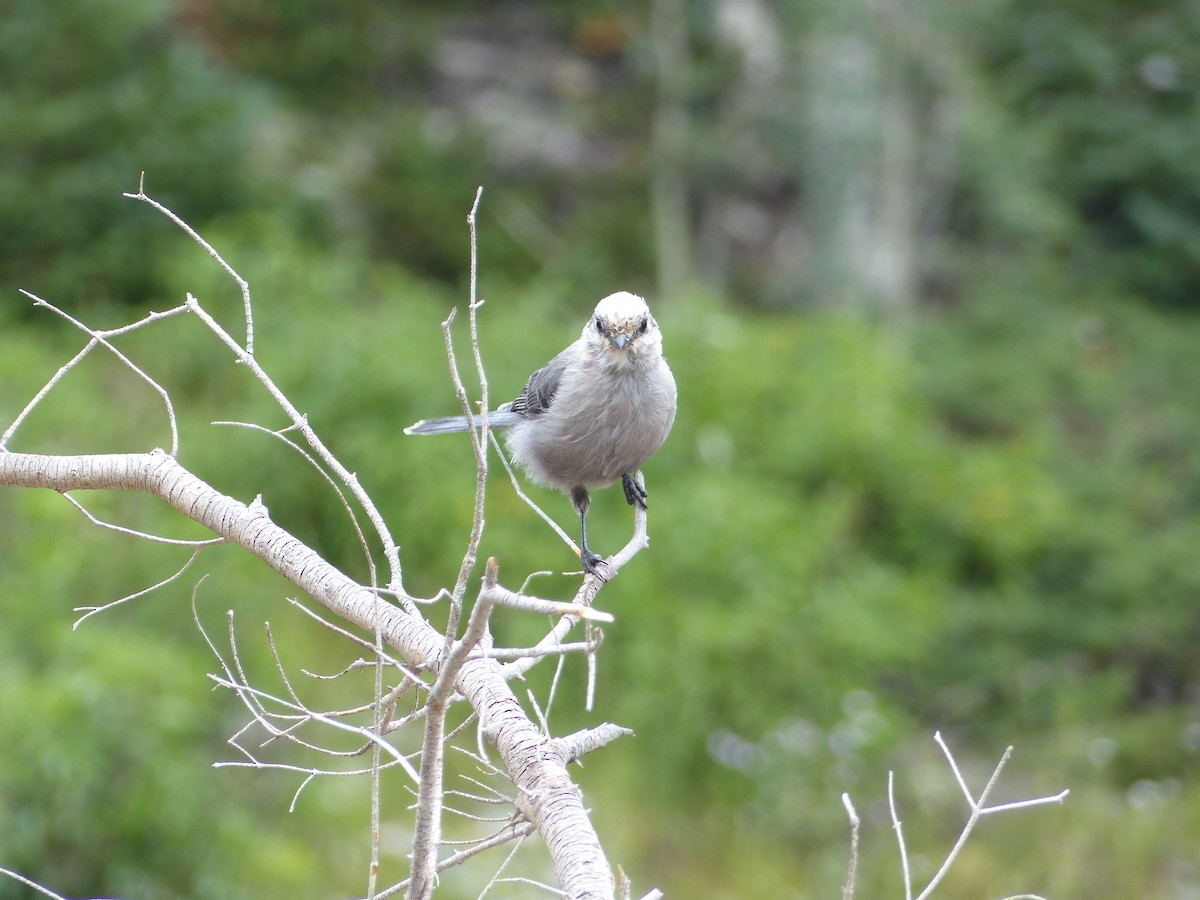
[252,763]
[558,670]
[283,675]
[46,388]
[505,597]
[300,422]
[499,795]
[243,285]
[537,711]
[89,611]
[574,746]
[470,554]
[337,629]
[428,827]
[17,876]
[590,694]
[962,784]
[891,790]
[474,817]
[545,516]
[142,535]
[518,830]
[852,868]
[499,800]
[533,882]
[308,457]
[522,652]
[478,438]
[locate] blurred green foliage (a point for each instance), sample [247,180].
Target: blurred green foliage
[96,93]
[1111,92]
[984,521]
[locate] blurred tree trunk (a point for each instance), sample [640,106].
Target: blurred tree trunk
[791,137]
[668,177]
[859,166]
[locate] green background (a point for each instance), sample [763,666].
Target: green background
[928,282]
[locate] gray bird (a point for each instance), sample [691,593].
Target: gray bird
[593,414]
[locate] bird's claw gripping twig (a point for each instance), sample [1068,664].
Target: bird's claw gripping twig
[591,562]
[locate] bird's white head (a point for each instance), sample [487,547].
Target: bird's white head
[622,326]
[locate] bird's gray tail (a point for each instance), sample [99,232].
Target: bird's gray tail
[451,424]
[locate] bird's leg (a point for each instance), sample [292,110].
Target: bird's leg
[579,496]
[634,492]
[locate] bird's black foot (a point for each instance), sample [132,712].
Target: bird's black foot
[634,492]
[592,562]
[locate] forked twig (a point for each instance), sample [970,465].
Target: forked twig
[978,806]
[243,285]
[100,338]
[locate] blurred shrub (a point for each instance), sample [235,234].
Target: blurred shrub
[1101,104]
[97,93]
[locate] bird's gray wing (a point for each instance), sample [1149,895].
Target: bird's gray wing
[537,395]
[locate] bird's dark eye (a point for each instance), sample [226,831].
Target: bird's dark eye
[645,324]
[599,326]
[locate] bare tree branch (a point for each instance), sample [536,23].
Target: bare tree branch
[587,592]
[574,746]
[478,437]
[546,794]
